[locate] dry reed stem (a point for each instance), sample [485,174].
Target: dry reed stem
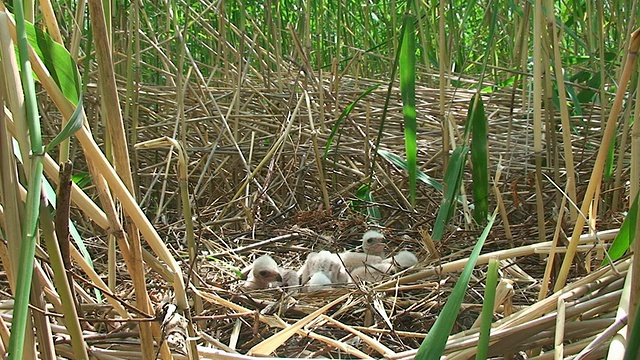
[116,136]
[271,344]
[376,345]
[484,258]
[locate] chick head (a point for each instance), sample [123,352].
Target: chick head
[265,270]
[373,243]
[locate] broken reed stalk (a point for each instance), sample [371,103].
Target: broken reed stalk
[317,155]
[188,220]
[500,254]
[116,133]
[62,282]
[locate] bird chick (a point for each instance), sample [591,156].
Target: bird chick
[325,262]
[317,281]
[264,274]
[403,259]
[377,271]
[374,249]
[372,272]
[289,277]
[353,260]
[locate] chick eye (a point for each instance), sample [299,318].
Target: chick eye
[263,273]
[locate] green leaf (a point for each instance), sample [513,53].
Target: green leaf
[408,92]
[610,161]
[487,310]
[401,163]
[58,61]
[452,181]
[626,234]
[81,179]
[571,91]
[372,212]
[433,345]
[74,124]
[479,160]
[64,72]
[424,178]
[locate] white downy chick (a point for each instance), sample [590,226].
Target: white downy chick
[376,272]
[264,274]
[374,248]
[403,259]
[372,272]
[317,281]
[353,260]
[289,277]
[325,262]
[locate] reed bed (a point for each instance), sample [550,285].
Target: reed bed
[201,146]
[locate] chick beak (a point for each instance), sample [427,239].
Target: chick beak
[278,277]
